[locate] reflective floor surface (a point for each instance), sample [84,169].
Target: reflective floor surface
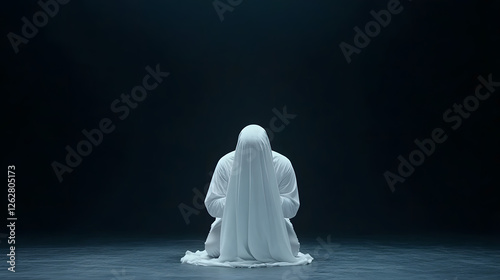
[387,257]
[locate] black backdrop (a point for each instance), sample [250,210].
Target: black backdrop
[352,120]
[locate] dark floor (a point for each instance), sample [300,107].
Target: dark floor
[335,258]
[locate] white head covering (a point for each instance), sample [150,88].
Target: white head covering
[253,227]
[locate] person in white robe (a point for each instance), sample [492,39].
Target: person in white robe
[252,196]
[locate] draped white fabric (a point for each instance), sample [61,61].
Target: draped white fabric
[252,203]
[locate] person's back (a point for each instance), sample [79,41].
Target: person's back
[285,176]
[252,195]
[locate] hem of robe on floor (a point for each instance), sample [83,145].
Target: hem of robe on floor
[201,258]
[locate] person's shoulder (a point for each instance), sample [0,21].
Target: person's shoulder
[281,157]
[228,156]
[226,159]
[281,160]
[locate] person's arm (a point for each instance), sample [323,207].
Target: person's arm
[216,195]
[289,192]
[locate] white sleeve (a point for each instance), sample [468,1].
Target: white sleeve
[216,195]
[289,192]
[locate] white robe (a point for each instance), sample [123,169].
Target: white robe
[252,195]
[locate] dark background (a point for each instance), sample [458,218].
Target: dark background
[352,119]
